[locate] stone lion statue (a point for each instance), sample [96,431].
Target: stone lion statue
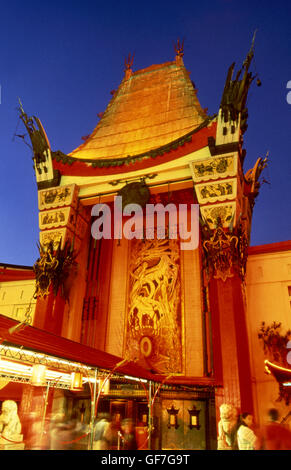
[10,426]
[227,427]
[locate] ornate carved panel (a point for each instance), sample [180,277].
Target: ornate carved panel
[154,319]
[225,212]
[56,218]
[214,168]
[58,197]
[55,236]
[216,191]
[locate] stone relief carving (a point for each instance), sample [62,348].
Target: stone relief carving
[54,236]
[218,191]
[57,197]
[225,213]
[154,316]
[49,219]
[214,168]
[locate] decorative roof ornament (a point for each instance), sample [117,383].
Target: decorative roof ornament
[128,62]
[252,177]
[179,49]
[39,140]
[233,102]
[42,155]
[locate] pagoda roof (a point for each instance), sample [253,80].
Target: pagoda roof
[151,108]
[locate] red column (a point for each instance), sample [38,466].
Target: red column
[49,313]
[230,342]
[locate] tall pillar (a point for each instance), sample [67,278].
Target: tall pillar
[225,226]
[63,223]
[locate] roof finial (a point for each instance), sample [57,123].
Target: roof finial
[128,64]
[179,49]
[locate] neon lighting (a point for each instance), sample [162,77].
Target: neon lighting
[277,367]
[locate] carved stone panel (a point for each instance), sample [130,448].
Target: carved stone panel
[57,218]
[58,197]
[214,168]
[154,319]
[221,190]
[63,234]
[226,212]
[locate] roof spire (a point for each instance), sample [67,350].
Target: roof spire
[128,66]
[179,49]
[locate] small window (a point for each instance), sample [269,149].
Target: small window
[289,291]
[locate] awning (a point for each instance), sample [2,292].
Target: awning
[47,343]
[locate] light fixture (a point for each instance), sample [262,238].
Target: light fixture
[135,378]
[104,386]
[76,381]
[38,375]
[173,417]
[9,367]
[194,418]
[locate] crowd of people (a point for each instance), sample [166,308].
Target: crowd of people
[245,435]
[114,433]
[62,433]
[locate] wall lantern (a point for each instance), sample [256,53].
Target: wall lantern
[38,375]
[194,418]
[173,418]
[104,386]
[145,419]
[76,382]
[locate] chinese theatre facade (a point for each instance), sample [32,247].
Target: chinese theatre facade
[176,316]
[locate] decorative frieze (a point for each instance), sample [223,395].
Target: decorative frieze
[226,212]
[214,168]
[216,191]
[58,197]
[60,235]
[57,218]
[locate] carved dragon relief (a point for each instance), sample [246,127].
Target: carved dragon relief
[52,268]
[154,310]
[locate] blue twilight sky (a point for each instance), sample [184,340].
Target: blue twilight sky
[62,58]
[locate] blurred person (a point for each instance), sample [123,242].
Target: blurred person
[101,439]
[141,434]
[128,435]
[113,433]
[274,435]
[246,437]
[34,431]
[61,433]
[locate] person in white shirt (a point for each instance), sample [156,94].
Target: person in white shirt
[246,437]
